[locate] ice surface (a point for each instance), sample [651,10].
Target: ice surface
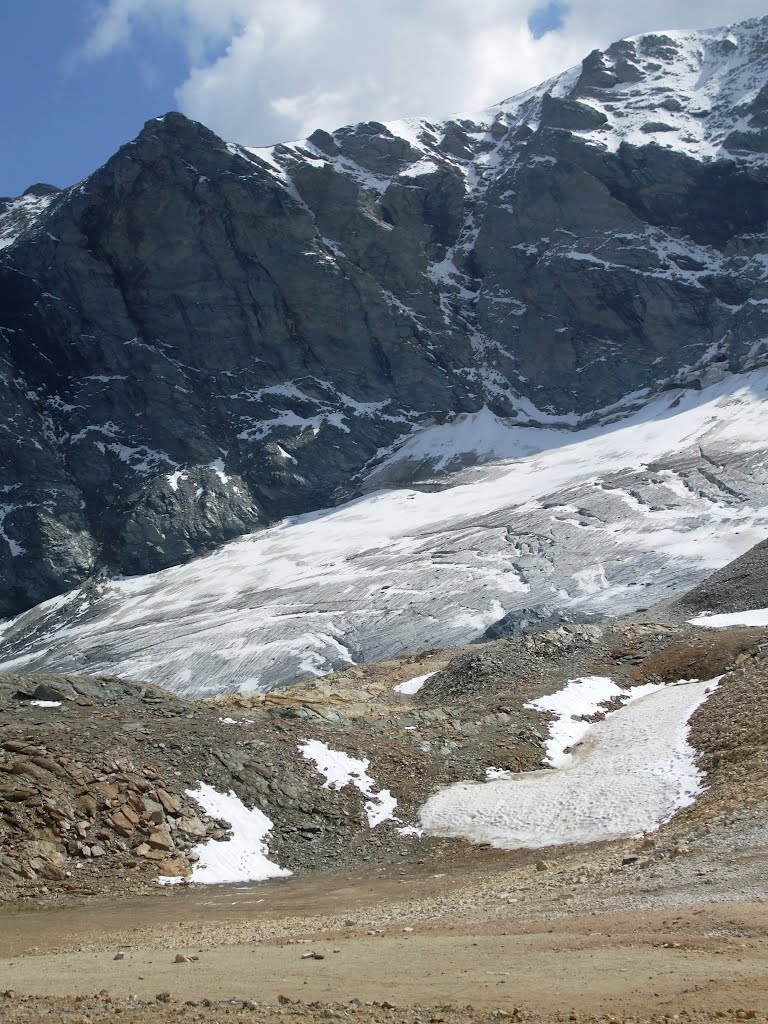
[243,858]
[632,772]
[45,703]
[600,520]
[410,686]
[341,770]
[754,617]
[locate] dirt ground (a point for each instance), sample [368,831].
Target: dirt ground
[668,927]
[577,933]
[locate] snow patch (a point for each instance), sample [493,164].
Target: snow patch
[174,478]
[284,454]
[754,617]
[633,772]
[341,770]
[411,830]
[579,700]
[411,686]
[243,858]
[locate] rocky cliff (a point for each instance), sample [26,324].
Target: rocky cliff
[201,338]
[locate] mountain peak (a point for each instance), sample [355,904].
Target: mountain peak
[176,129]
[203,338]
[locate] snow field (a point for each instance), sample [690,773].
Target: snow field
[754,617]
[243,858]
[577,701]
[632,772]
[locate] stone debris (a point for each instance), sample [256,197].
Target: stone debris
[101,797]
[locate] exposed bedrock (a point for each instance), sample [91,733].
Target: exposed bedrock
[200,338]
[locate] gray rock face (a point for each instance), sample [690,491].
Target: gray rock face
[742,585]
[202,338]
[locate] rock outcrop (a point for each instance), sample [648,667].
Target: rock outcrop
[201,338]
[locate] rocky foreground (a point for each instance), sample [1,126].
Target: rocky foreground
[98,775]
[672,929]
[97,783]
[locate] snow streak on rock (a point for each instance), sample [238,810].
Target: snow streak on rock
[341,770]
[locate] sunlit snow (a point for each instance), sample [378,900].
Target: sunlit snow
[632,772]
[341,770]
[578,701]
[411,686]
[243,858]
[754,617]
[601,520]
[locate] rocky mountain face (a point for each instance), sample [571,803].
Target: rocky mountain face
[201,338]
[739,586]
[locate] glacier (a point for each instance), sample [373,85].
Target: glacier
[599,522]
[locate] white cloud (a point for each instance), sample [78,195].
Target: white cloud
[265,70]
[200,24]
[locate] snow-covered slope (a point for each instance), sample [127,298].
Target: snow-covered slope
[21,214]
[676,105]
[694,92]
[598,521]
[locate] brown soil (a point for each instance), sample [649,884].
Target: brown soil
[671,927]
[506,942]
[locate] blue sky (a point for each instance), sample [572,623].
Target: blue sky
[547,18]
[61,118]
[80,77]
